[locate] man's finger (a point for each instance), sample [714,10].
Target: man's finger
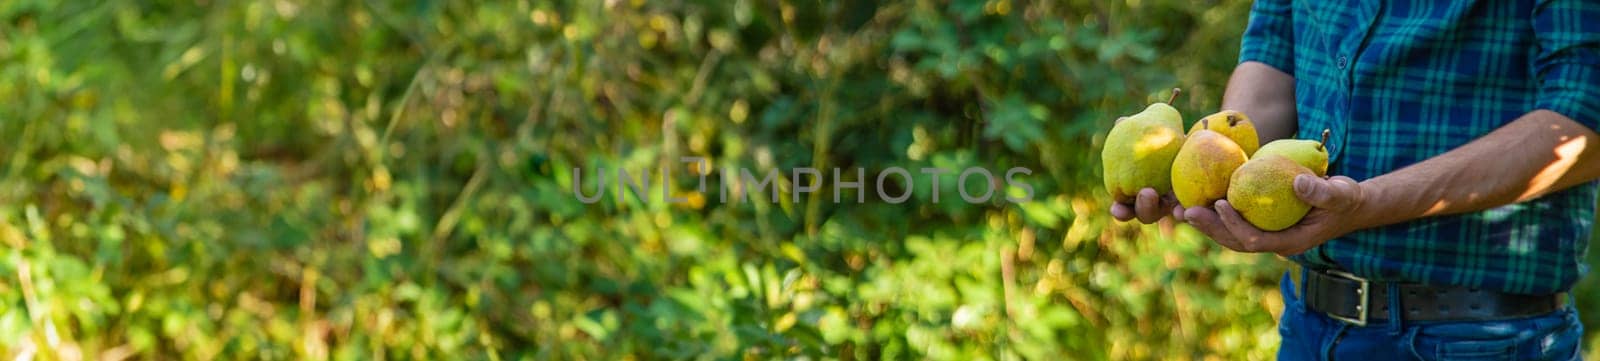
[1170,205]
[1168,201]
[1148,206]
[1350,188]
[1245,233]
[1207,222]
[1122,212]
[1338,193]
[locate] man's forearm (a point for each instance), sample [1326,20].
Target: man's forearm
[1264,94]
[1539,153]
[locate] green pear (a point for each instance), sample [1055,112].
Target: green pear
[1202,168]
[1139,150]
[1308,153]
[1234,125]
[1262,190]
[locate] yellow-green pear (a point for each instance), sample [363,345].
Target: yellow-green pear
[1235,126]
[1202,168]
[1138,152]
[1308,153]
[1262,190]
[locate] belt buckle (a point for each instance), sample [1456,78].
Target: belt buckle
[1363,293]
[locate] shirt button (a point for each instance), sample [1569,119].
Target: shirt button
[1341,62]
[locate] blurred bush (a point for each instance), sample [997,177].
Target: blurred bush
[362,179]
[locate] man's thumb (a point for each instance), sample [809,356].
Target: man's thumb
[1338,193]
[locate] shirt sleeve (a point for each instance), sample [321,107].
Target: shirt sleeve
[1567,63]
[1269,38]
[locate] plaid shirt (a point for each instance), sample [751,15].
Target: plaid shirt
[1399,82]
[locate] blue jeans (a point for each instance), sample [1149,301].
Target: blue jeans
[1310,335]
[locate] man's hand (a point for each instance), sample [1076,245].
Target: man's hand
[1148,207]
[1334,203]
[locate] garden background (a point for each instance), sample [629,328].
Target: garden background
[302,179]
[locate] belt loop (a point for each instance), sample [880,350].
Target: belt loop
[1396,322]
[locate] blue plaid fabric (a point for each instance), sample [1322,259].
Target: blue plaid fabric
[1399,82]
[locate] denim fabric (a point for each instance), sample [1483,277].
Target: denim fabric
[1309,335]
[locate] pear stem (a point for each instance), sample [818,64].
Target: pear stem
[1325,133]
[1233,119]
[1174,96]
[1205,123]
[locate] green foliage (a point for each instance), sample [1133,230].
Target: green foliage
[355,180]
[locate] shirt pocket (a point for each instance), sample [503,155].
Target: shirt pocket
[1318,25]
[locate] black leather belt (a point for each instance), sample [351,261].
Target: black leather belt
[1354,300]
